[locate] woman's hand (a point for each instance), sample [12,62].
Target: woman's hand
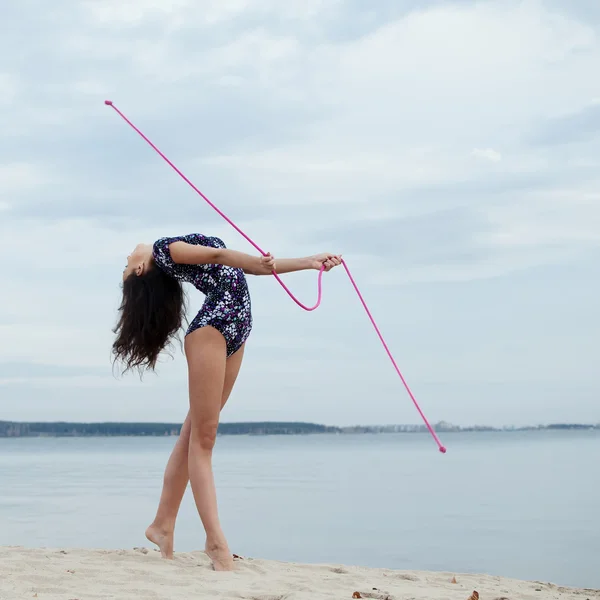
[267,264]
[325,259]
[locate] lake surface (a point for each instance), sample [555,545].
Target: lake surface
[523,504]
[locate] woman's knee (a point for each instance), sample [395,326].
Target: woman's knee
[204,435]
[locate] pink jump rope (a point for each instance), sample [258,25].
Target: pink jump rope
[319,280]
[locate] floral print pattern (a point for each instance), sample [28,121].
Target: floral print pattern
[227,306]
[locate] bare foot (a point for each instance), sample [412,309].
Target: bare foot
[221,558]
[163,539]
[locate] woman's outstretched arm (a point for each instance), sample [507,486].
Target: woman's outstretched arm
[191,254]
[184,253]
[290,265]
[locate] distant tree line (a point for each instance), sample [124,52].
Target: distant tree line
[274,428]
[571,426]
[62,429]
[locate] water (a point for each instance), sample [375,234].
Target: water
[521,505]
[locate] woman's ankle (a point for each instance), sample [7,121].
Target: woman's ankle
[216,543]
[162,526]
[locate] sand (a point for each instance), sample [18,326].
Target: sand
[53,574]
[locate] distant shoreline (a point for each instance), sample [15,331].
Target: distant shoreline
[12,429]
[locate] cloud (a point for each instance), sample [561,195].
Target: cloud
[563,217]
[581,126]
[19,177]
[26,371]
[453,170]
[487,154]
[8,88]
[183,13]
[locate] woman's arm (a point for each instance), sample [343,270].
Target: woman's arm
[326,259]
[190,254]
[291,265]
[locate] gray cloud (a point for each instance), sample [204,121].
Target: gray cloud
[439,237]
[457,173]
[582,126]
[27,371]
[587,11]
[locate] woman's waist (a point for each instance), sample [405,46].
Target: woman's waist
[222,283]
[238,295]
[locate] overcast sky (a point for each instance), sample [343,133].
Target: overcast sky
[449,149]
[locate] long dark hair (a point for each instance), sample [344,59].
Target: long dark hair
[151,314]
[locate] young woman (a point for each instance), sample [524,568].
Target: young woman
[151,314]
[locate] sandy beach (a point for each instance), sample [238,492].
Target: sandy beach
[74,574]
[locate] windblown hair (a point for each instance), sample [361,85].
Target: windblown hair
[151,314]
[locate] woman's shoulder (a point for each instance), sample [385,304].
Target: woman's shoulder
[161,253]
[197,239]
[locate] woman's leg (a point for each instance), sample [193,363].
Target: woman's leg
[176,474]
[175,482]
[206,355]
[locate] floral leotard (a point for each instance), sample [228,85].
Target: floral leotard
[227,306]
